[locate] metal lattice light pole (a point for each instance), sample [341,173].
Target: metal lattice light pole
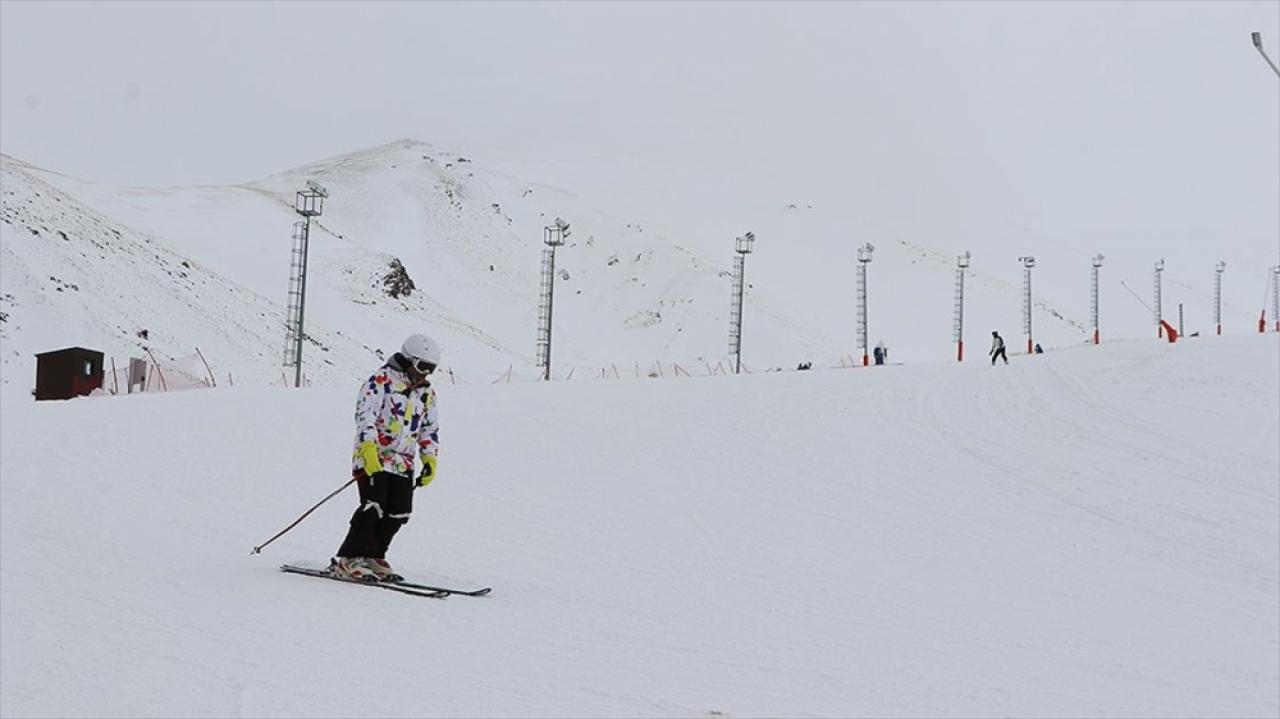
[864,259]
[1262,317]
[1027,263]
[962,264]
[1257,42]
[742,247]
[1217,294]
[1156,306]
[1093,298]
[1275,295]
[308,203]
[552,236]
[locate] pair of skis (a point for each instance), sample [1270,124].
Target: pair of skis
[417,590]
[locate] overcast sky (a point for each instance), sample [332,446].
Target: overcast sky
[1100,113]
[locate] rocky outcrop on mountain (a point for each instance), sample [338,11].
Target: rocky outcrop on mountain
[397,283]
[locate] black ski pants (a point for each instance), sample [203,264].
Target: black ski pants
[999,354]
[386,500]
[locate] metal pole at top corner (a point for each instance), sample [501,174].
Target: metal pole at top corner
[1257,43]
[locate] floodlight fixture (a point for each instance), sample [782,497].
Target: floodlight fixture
[864,259]
[1217,294]
[1027,263]
[1275,295]
[1093,297]
[742,247]
[1157,306]
[308,203]
[552,236]
[962,264]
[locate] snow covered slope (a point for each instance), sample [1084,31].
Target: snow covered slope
[1092,533]
[470,240]
[636,282]
[72,276]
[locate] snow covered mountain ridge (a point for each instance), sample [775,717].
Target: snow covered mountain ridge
[207,267]
[464,243]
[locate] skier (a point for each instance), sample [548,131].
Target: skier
[881,353]
[395,419]
[997,348]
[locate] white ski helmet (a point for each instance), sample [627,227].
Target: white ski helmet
[421,348]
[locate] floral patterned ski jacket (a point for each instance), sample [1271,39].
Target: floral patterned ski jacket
[399,417]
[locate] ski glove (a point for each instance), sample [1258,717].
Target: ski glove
[428,471]
[369,456]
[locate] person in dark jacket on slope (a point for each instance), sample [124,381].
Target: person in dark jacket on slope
[997,348]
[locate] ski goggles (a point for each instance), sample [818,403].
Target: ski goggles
[423,366]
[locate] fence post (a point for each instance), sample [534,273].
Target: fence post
[212,382]
[164,386]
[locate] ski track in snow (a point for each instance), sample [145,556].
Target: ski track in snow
[1094,532]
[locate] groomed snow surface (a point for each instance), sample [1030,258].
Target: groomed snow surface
[1089,532]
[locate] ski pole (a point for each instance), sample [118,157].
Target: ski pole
[258,549]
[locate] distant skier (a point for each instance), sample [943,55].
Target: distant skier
[395,420]
[997,348]
[881,353]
